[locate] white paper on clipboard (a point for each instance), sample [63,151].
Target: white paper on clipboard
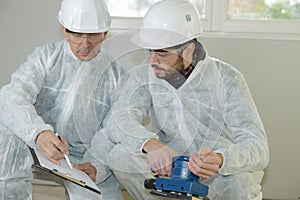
[63,170]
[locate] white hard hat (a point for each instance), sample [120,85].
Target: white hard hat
[168,23]
[84,16]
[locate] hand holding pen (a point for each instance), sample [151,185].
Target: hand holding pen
[51,146]
[65,155]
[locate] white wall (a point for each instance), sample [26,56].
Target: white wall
[23,26]
[271,68]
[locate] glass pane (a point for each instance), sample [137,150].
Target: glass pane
[138,8]
[264,9]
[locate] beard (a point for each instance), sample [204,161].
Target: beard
[171,74]
[169,71]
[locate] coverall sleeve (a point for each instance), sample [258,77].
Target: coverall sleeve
[249,151]
[17,99]
[131,103]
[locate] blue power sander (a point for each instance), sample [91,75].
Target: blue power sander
[182,184]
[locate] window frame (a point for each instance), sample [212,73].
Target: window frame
[216,23]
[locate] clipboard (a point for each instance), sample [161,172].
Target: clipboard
[63,171]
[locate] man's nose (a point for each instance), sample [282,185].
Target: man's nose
[153,59]
[85,42]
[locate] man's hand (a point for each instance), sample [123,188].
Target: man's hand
[206,163]
[159,156]
[51,146]
[88,168]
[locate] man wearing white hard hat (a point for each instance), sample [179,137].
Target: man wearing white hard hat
[199,106]
[63,87]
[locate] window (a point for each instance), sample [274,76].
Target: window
[129,8]
[138,8]
[264,9]
[262,18]
[258,18]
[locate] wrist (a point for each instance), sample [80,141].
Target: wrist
[220,156]
[152,144]
[39,134]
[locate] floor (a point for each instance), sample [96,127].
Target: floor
[51,191]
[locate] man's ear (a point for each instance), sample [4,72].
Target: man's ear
[65,33]
[190,49]
[188,53]
[104,35]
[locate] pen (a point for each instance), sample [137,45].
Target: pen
[66,157]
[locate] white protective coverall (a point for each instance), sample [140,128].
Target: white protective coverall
[212,108]
[54,90]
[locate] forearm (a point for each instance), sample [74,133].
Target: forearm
[17,100]
[249,149]
[127,130]
[152,144]
[20,117]
[247,156]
